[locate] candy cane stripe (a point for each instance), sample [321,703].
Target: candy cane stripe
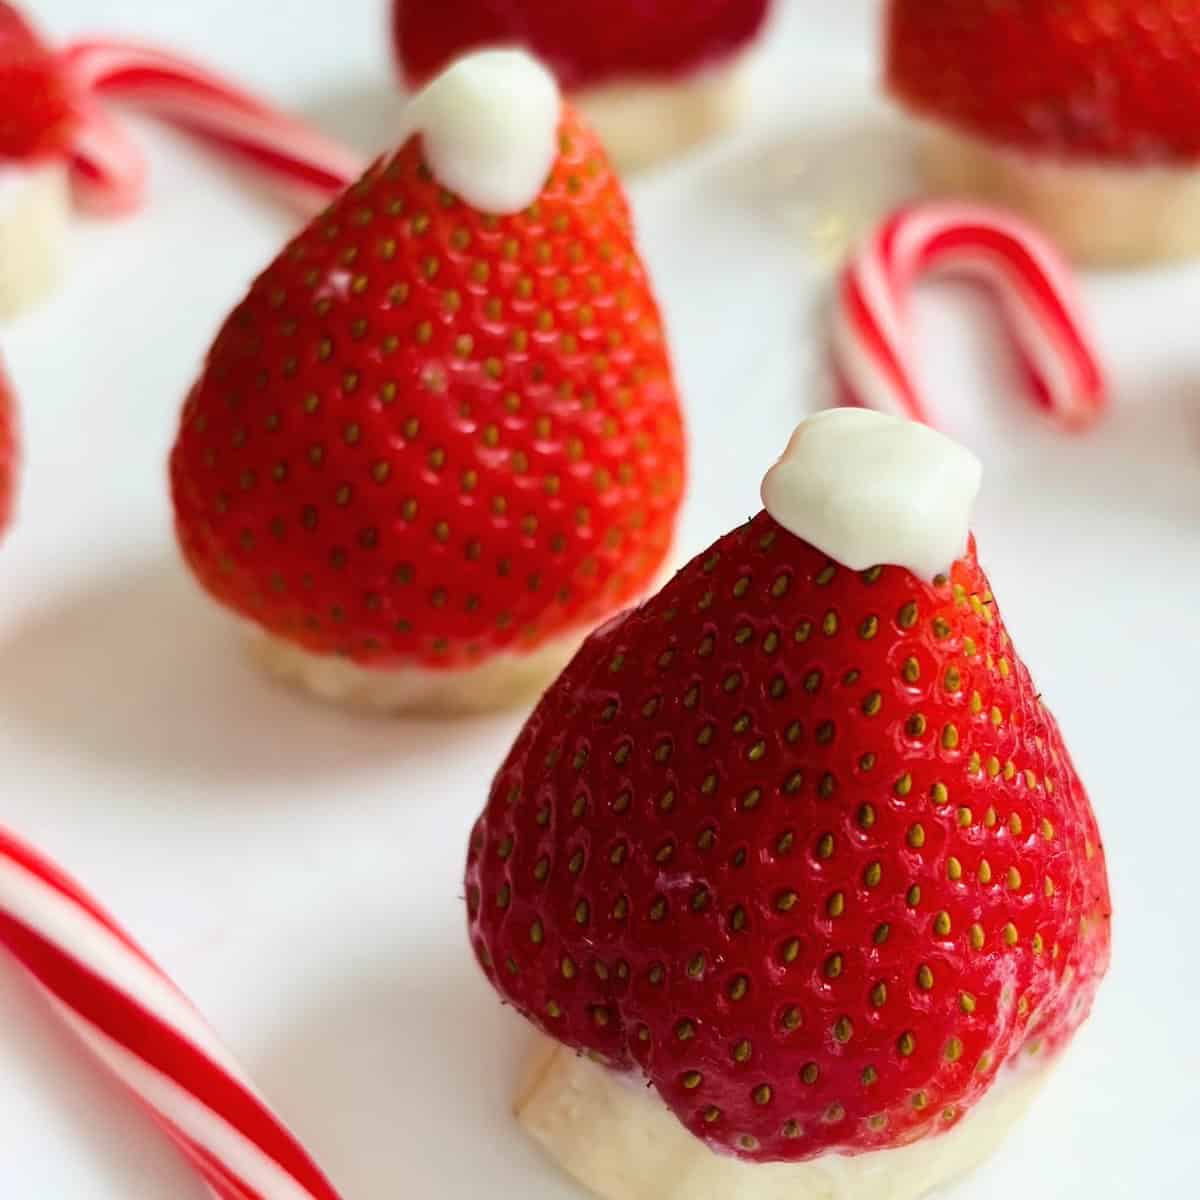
[1035,298]
[108,171]
[226,1153]
[29,902]
[1037,295]
[137,1024]
[868,356]
[114,1016]
[143,1082]
[311,167]
[239,139]
[23,858]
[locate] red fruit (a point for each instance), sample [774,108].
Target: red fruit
[1115,80]
[803,845]
[428,434]
[9,452]
[36,113]
[584,43]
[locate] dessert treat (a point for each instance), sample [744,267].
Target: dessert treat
[108,171]
[60,143]
[440,440]
[1077,115]
[37,122]
[791,867]
[1021,268]
[652,79]
[10,453]
[140,1027]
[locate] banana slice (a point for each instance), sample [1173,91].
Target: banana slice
[504,681]
[617,1138]
[645,123]
[35,206]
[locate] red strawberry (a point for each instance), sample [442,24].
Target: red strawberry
[1116,80]
[585,44]
[9,452]
[36,114]
[803,845]
[429,434]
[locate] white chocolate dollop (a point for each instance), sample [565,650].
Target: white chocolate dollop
[490,127]
[869,489]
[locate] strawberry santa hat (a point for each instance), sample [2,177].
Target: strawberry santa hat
[798,845]
[1080,115]
[439,440]
[60,147]
[652,79]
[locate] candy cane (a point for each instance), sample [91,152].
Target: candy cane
[140,1026]
[108,172]
[311,168]
[871,341]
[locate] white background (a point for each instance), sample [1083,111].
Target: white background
[298,871]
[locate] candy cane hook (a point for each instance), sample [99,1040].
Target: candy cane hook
[311,168]
[871,339]
[132,1019]
[108,172]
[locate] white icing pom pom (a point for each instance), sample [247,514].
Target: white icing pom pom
[490,123]
[869,489]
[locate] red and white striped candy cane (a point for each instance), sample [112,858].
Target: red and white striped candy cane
[871,337]
[130,1016]
[108,172]
[309,167]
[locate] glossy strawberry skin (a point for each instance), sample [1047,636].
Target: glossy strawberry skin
[700,856]
[36,102]
[585,44]
[9,453]
[428,435]
[1093,78]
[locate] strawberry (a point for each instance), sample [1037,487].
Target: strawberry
[801,844]
[431,433]
[36,103]
[1096,78]
[9,452]
[584,44]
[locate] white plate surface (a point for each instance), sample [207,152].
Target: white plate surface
[299,871]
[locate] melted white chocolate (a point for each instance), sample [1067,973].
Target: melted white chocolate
[490,128]
[870,490]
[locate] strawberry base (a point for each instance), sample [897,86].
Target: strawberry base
[503,681]
[35,205]
[1097,213]
[621,1142]
[643,123]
